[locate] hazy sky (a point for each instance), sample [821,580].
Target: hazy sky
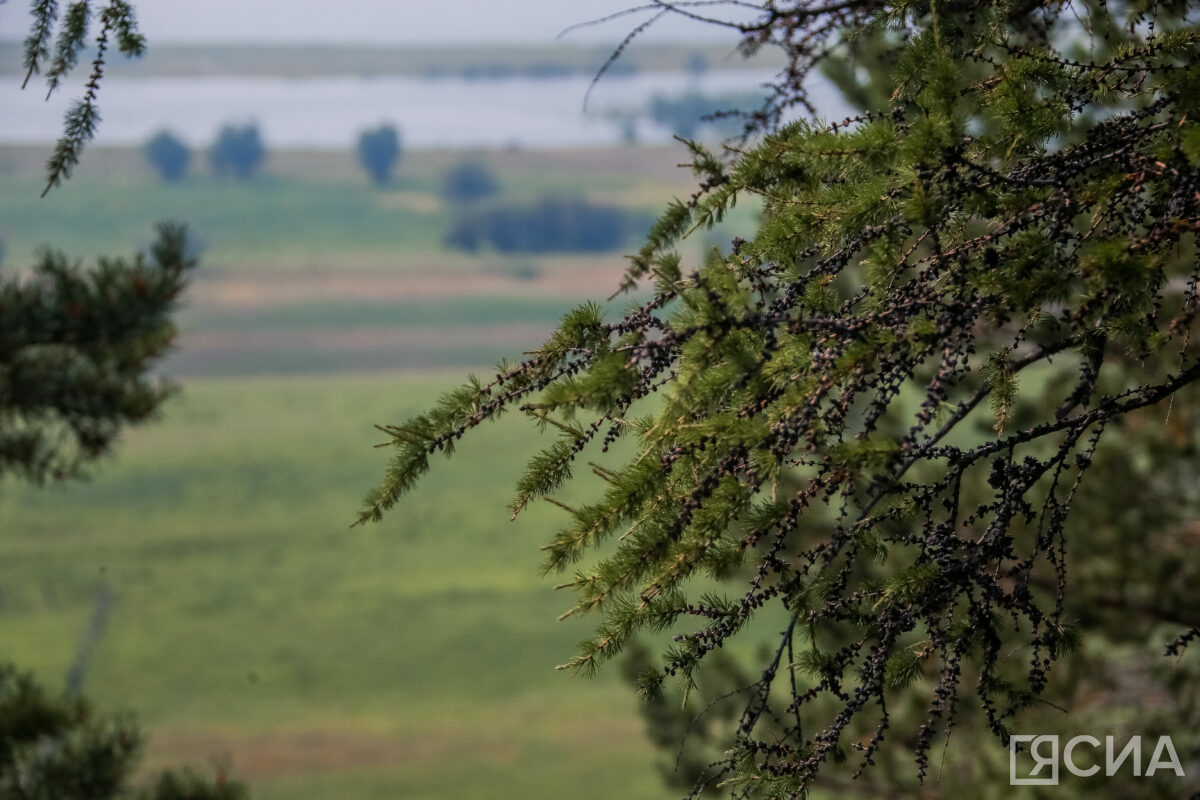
[381,21]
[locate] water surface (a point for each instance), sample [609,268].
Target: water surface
[328,113]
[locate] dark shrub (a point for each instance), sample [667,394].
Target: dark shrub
[168,155]
[468,182]
[378,152]
[550,225]
[238,151]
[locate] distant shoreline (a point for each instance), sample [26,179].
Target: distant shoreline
[481,62]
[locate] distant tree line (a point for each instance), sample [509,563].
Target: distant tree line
[548,225]
[168,155]
[538,70]
[469,182]
[239,152]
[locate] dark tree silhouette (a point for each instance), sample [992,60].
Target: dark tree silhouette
[468,182]
[238,151]
[551,225]
[378,152]
[168,155]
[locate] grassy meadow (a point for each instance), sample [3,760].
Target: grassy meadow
[412,658]
[308,267]
[304,211]
[252,628]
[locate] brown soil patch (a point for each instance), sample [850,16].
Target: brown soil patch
[215,352]
[324,340]
[264,755]
[409,201]
[258,757]
[576,278]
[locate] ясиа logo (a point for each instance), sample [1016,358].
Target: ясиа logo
[1043,751]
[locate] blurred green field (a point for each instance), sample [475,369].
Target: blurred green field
[410,659]
[309,268]
[310,210]
[280,219]
[251,626]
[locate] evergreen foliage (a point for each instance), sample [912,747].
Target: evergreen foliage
[76,348]
[238,151]
[869,422]
[52,49]
[378,152]
[59,748]
[168,155]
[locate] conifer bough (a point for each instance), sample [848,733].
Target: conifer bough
[77,353]
[52,48]
[868,420]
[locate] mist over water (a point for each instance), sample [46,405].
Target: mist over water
[432,113]
[537,21]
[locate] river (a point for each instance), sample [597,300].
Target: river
[328,112]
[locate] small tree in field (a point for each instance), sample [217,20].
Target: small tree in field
[238,151]
[469,182]
[168,155]
[924,432]
[378,152]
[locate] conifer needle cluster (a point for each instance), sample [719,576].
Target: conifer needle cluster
[866,421]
